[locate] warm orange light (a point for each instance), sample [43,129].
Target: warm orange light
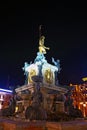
[84,105]
[16,109]
[70,84]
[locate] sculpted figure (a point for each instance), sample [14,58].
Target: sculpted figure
[56,63]
[42,48]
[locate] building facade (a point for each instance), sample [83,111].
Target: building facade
[79,95]
[5,96]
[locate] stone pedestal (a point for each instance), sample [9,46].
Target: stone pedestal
[8,124]
[59,106]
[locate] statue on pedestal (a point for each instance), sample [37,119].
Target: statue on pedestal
[56,63]
[25,71]
[35,111]
[42,48]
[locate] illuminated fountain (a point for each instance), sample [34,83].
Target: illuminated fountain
[41,80]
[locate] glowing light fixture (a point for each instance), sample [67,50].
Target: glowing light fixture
[16,109]
[5,90]
[84,79]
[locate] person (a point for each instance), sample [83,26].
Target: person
[42,48]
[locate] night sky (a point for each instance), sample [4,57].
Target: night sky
[65,31]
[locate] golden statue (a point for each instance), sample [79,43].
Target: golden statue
[42,48]
[48,76]
[31,73]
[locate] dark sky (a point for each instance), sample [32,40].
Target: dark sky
[65,29]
